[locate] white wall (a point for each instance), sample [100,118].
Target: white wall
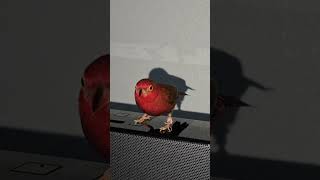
[169,34]
[49,43]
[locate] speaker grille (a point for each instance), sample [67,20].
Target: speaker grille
[138,157]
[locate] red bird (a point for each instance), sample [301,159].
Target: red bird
[94,104]
[155,99]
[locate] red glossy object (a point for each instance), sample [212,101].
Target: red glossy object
[94,105]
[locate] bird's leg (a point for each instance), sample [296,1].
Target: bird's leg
[168,124]
[142,119]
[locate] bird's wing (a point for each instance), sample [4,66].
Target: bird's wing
[170,92]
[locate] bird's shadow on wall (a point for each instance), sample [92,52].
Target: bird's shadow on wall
[227,72]
[228,76]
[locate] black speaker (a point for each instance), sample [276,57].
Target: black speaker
[141,152]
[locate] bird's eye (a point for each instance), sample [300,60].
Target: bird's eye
[150,88]
[82,82]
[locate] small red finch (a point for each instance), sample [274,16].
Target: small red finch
[94,104]
[155,99]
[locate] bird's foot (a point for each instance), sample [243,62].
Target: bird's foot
[167,127]
[142,119]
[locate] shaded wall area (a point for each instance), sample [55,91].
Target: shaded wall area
[45,47]
[277,45]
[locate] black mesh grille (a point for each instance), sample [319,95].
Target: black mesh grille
[138,157]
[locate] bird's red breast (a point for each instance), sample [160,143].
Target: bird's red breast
[154,98]
[94,104]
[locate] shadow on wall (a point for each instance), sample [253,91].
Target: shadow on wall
[229,77]
[161,76]
[231,82]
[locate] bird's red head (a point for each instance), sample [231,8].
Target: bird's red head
[94,104]
[146,89]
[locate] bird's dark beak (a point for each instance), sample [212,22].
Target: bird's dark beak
[97,98]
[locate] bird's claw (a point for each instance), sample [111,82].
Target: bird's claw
[136,122]
[141,120]
[166,128]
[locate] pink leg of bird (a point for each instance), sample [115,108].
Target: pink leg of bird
[168,124]
[145,117]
